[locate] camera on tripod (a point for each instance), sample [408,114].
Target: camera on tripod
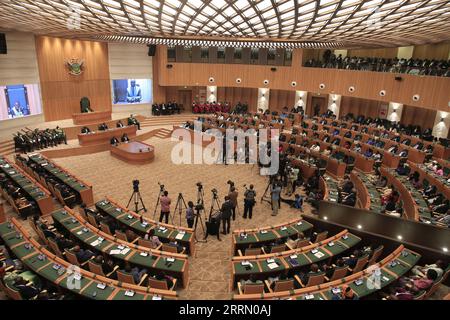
[231,183]
[199,186]
[199,206]
[161,186]
[136,185]
[214,192]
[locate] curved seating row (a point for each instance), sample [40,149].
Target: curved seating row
[262,265]
[373,195]
[175,265]
[29,185]
[132,220]
[83,189]
[259,236]
[61,273]
[363,283]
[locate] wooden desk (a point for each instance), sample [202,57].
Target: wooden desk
[390,160]
[91,117]
[103,137]
[336,168]
[134,152]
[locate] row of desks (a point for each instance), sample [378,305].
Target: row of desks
[104,137]
[83,189]
[132,220]
[258,237]
[439,150]
[28,185]
[143,257]
[57,271]
[292,259]
[363,283]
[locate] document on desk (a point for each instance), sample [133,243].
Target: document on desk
[115,252]
[272,265]
[319,254]
[179,236]
[95,243]
[125,251]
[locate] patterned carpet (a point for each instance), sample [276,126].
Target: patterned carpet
[210,268]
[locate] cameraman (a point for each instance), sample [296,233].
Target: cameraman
[233,195]
[226,215]
[249,201]
[190,214]
[275,191]
[165,207]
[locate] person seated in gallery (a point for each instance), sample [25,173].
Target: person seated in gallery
[134,94]
[119,124]
[125,138]
[85,130]
[133,121]
[103,127]
[114,141]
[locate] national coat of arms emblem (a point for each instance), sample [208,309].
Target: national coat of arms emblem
[75,66]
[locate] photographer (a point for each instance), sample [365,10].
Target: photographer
[249,202]
[226,215]
[190,214]
[233,195]
[275,191]
[165,207]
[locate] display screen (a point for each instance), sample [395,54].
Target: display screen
[130,91]
[21,100]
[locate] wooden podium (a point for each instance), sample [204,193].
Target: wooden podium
[103,137]
[134,152]
[91,117]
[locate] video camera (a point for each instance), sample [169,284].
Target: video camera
[161,186]
[199,206]
[199,185]
[136,185]
[231,183]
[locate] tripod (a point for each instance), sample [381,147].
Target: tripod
[214,201]
[180,204]
[198,208]
[161,190]
[137,198]
[266,197]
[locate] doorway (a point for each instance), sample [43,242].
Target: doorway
[317,104]
[185,99]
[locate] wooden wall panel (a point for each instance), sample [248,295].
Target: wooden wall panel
[19,66]
[359,106]
[418,116]
[278,99]
[438,51]
[379,53]
[434,91]
[235,95]
[61,92]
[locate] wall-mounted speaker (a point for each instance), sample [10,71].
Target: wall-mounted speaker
[3,49]
[273,69]
[398,78]
[151,50]
[169,66]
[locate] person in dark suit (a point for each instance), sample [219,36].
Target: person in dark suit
[125,138]
[133,121]
[226,211]
[82,255]
[26,290]
[103,127]
[85,130]
[115,141]
[135,272]
[119,124]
